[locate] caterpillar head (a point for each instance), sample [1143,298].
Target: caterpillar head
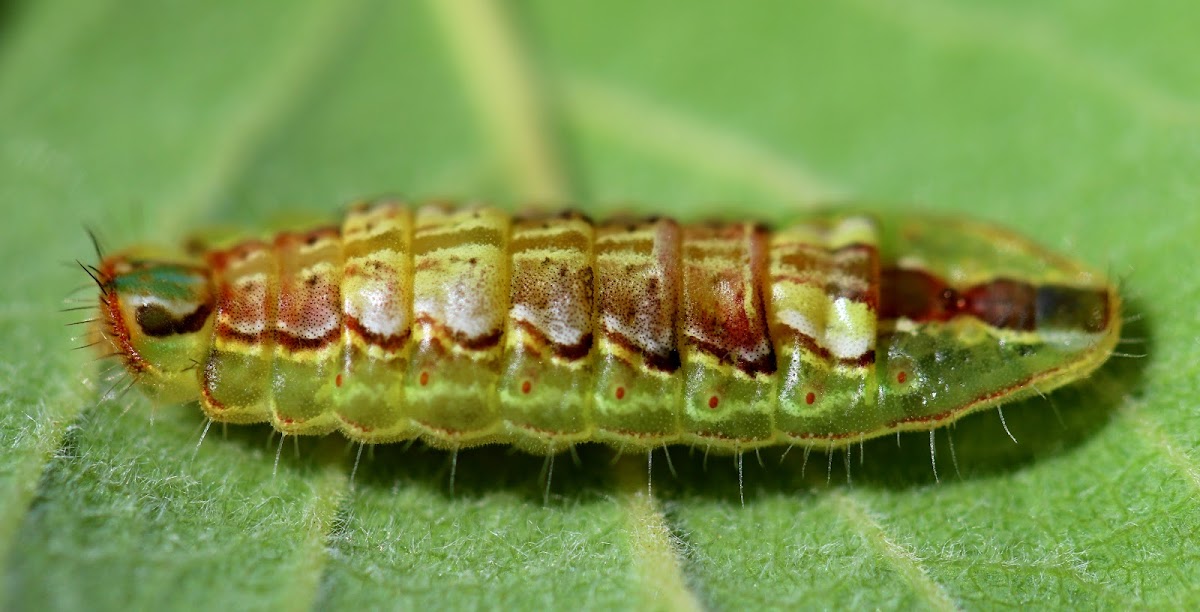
[156,314]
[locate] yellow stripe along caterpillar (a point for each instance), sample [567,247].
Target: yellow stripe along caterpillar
[471,326]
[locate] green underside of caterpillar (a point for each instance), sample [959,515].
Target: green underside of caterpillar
[459,407]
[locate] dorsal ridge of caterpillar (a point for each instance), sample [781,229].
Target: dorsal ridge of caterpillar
[471,326]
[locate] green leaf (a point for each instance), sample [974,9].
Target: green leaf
[1074,123]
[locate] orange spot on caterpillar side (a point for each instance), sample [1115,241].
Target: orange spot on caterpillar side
[424,379]
[526,387]
[620,393]
[338,381]
[810,398]
[901,377]
[713,402]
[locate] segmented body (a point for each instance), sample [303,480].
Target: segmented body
[469,326]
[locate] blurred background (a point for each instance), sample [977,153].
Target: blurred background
[1075,122]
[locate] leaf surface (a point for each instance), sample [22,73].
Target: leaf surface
[1073,123]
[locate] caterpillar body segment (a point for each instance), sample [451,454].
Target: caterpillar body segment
[469,326]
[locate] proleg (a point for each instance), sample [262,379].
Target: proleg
[471,326]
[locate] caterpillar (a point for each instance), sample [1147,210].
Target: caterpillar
[471,326]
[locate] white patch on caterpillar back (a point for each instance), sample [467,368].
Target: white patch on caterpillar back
[552,322]
[462,312]
[641,333]
[843,334]
[376,306]
[251,290]
[463,308]
[318,317]
[178,308]
[846,335]
[319,325]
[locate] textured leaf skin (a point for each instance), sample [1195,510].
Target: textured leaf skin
[1072,123]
